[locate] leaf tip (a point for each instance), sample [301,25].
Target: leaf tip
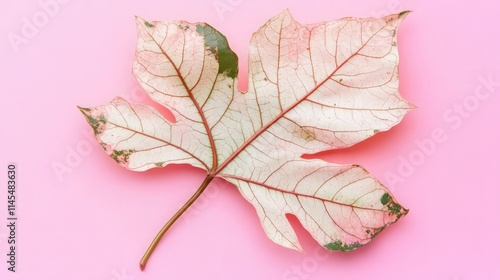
[299,248]
[404,13]
[142,22]
[394,208]
[396,18]
[96,122]
[83,110]
[138,19]
[287,12]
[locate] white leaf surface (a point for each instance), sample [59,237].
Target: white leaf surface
[312,87]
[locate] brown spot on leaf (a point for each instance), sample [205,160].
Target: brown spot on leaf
[307,134]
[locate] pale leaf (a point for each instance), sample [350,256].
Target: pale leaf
[312,87]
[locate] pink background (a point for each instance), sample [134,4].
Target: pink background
[95,220]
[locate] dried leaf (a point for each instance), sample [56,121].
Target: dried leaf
[312,87]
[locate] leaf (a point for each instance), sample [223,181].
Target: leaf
[311,88]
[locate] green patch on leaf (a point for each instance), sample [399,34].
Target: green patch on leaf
[393,207]
[184,27]
[148,24]
[340,246]
[374,232]
[403,13]
[121,156]
[385,198]
[96,124]
[217,44]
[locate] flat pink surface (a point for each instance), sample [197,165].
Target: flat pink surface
[94,220]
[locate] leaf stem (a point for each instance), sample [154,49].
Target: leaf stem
[172,220]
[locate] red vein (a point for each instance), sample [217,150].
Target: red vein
[158,139]
[324,200]
[280,115]
[195,102]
